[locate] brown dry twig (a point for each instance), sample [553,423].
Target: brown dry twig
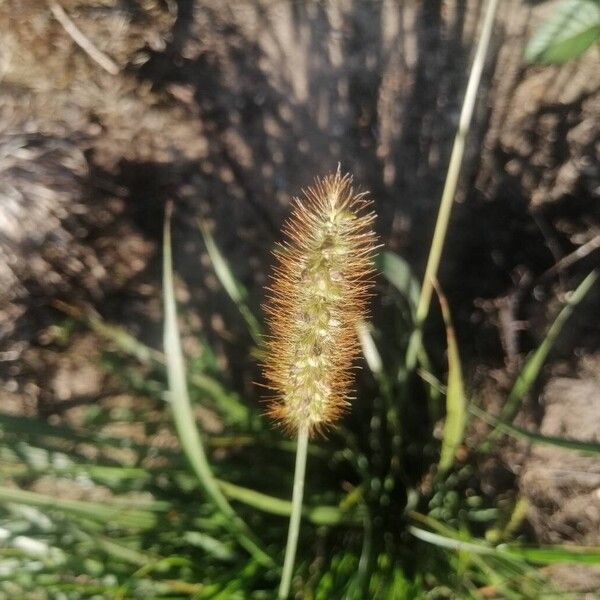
[569,260]
[81,39]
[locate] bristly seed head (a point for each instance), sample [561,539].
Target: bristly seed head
[320,286]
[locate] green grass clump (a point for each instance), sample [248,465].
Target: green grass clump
[146,525]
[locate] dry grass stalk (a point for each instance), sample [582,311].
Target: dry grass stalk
[82,40]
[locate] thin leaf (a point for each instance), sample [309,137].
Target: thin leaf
[532,367]
[398,272]
[121,551]
[442,222]
[105,513]
[109,475]
[183,415]
[113,333]
[571,29]
[456,411]
[539,555]
[235,290]
[450,542]
[209,544]
[548,555]
[13,424]
[537,438]
[38,432]
[227,402]
[319,515]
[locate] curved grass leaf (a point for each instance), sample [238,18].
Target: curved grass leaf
[127,343]
[319,515]
[444,212]
[450,542]
[38,434]
[456,412]
[209,544]
[105,513]
[235,290]
[548,555]
[537,438]
[183,414]
[398,272]
[226,402]
[105,474]
[31,426]
[532,367]
[121,551]
[110,474]
[539,555]
[572,28]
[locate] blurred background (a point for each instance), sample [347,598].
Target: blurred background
[228,109]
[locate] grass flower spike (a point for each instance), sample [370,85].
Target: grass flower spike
[318,295]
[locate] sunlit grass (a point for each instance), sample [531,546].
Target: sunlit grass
[88,514]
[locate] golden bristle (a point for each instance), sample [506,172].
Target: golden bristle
[319,292]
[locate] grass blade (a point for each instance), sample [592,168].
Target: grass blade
[318,515]
[114,513]
[228,403]
[539,555]
[126,342]
[548,555]
[121,551]
[537,438]
[532,367]
[30,426]
[451,543]
[183,415]
[450,185]
[456,409]
[235,290]
[38,433]
[105,474]
[398,272]
[209,544]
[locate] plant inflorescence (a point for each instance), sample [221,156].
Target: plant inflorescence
[319,292]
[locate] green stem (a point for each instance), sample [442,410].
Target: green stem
[531,370]
[443,218]
[294,529]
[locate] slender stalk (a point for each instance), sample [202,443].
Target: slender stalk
[458,151]
[294,529]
